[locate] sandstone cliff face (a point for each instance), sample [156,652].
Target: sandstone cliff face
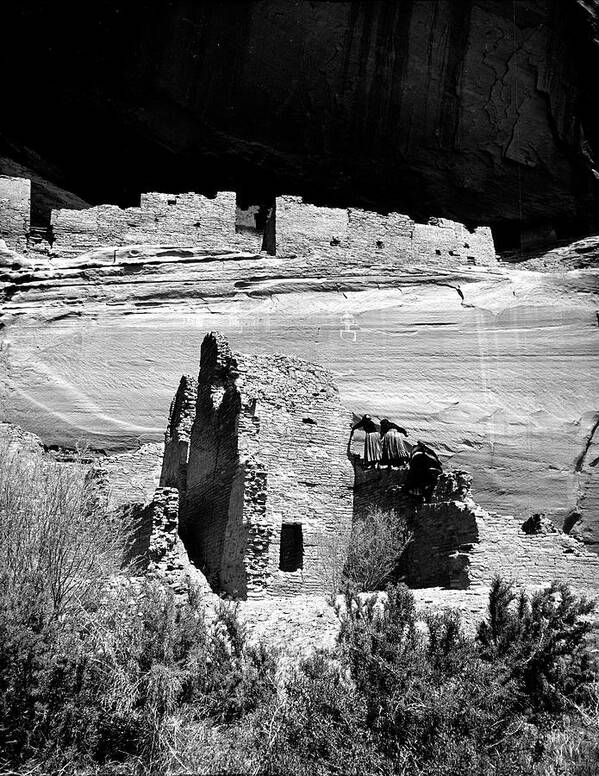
[494,366]
[477,110]
[502,383]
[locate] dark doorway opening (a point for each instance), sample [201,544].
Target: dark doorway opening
[292,547]
[257,215]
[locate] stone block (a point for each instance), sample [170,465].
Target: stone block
[306,229]
[15,207]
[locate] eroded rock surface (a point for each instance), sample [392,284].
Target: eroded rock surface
[469,109]
[502,383]
[493,365]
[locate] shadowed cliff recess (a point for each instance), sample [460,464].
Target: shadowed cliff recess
[473,110]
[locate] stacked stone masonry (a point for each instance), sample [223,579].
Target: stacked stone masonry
[170,219]
[178,435]
[459,545]
[267,458]
[289,226]
[308,230]
[15,207]
[157,549]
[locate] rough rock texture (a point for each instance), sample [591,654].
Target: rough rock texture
[15,207]
[289,226]
[456,544]
[378,298]
[261,466]
[467,109]
[502,383]
[299,625]
[158,551]
[131,476]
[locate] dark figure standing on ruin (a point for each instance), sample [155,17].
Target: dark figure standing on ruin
[372,442]
[425,468]
[394,451]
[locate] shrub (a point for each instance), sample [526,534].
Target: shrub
[115,677]
[57,548]
[320,727]
[376,545]
[544,639]
[94,665]
[439,702]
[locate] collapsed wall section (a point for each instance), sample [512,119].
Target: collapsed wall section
[360,236]
[15,209]
[170,219]
[268,487]
[287,227]
[456,544]
[156,547]
[177,438]
[504,548]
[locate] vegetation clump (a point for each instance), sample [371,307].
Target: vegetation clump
[376,546]
[102,673]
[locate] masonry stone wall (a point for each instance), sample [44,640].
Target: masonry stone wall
[169,219]
[378,488]
[347,237]
[381,236]
[505,549]
[459,545]
[290,227]
[266,467]
[15,208]
[156,548]
[178,434]
[449,240]
[305,229]
[365,236]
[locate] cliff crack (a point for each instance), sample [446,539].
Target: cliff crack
[589,441]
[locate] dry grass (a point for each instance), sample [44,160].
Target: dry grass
[56,545]
[376,546]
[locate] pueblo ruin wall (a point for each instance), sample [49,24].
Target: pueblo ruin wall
[458,545]
[283,226]
[257,448]
[15,208]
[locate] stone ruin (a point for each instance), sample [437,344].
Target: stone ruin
[15,208]
[257,492]
[256,447]
[457,545]
[282,226]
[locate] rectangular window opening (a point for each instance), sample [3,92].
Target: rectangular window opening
[292,547]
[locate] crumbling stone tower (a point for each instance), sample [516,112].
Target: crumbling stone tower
[257,449]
